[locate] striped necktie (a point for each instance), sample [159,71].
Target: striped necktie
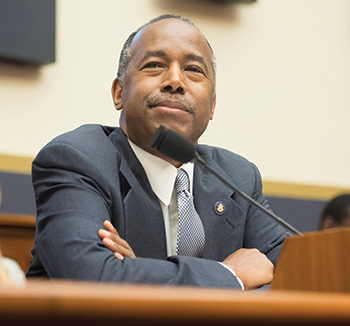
[190,235]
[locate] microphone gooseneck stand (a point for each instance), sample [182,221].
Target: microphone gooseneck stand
[178,148]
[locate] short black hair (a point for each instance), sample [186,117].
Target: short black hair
[126,52]
[338,208]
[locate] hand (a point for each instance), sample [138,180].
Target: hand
[251,266]
[114,242]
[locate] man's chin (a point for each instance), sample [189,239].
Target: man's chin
[174,127]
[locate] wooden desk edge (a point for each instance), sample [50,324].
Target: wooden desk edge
[19,220]
[141,302]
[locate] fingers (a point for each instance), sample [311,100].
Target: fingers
[115,243]
[109,226]
[119,256]
[251,266]
[113,239]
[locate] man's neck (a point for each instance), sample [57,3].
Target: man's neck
[148,148]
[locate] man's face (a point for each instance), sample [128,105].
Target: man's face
[346,220]
[330,222]
[169,81]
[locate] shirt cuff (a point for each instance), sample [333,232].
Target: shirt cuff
[233,273]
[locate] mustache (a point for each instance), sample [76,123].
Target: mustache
[154,100]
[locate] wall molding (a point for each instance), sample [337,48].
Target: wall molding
[22,165]
[15,164]
[301,191]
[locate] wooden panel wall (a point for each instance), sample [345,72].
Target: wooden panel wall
[17,237]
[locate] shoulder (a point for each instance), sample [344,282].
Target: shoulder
[84,135]
[234,167]
[89,139]
[223,157]
[88,143]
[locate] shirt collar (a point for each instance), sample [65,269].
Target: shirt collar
[161,174]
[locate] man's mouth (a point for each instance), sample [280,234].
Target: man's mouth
[171,104]
[175,105]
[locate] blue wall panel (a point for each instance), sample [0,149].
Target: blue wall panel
[303,214]
[17,194]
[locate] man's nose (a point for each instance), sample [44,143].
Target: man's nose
[174,80]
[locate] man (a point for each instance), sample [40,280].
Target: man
[99,174]
[336,213]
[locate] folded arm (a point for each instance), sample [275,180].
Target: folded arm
[73,201]
[252,267]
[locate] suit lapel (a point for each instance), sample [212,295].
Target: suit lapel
[143,218]
[223,233]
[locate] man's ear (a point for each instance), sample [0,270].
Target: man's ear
[117,94]
[328,222]
[213,108]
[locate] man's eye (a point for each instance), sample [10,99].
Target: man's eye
[195,69]
[152,65]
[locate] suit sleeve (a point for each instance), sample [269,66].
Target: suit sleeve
[261,230]
[73,200]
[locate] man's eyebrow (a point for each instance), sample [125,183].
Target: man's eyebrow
[150,54]
[195,57]
[161,53]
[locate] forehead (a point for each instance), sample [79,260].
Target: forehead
[171,35]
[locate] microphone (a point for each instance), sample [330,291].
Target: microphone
[173,145]
[180,149]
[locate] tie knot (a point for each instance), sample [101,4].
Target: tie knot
[181,181]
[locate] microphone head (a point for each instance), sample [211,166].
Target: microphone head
[173,145]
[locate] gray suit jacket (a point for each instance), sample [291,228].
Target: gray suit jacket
[88,175]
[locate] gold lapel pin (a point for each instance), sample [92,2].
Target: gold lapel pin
[219,208]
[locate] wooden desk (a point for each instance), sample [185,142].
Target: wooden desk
[17,237]
[77,303]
